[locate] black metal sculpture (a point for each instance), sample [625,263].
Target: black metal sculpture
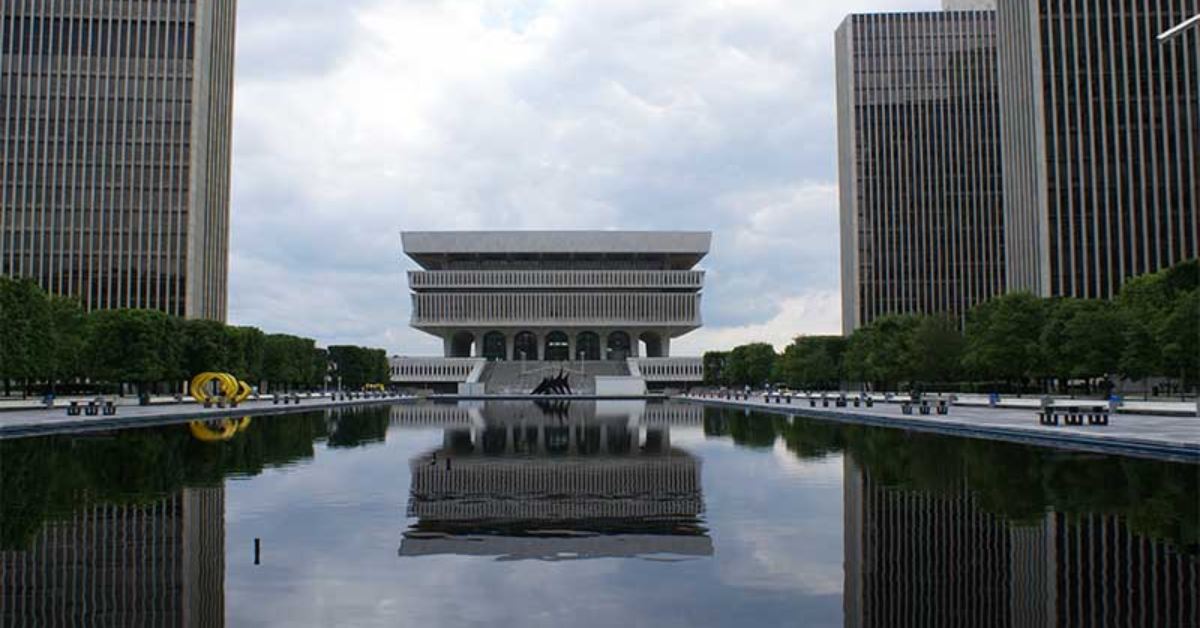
[559,385]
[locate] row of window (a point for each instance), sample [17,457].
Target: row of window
[78,36]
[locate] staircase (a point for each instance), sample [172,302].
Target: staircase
[517,378]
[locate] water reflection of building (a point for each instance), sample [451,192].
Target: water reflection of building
[157,564]
[558,482]
[917,558]
[473,413]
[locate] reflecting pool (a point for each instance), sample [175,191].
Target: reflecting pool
[585,514]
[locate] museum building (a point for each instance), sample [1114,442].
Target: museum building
[556,296]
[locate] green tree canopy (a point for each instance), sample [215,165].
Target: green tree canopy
[68,337]
[137,346]
[714,368]
[358,366]
[206,346]
[882,352]
[287,360]
[813,362]
[1004,336]
[25,345]
[936,350]
[751,364]
[1082,338]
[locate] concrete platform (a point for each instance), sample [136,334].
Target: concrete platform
[1168,437]
[41,421]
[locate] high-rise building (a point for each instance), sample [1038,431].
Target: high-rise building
[919,164]
[1101,129]
[115,150]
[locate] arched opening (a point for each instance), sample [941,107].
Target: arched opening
[618,346]
[587,346]
[558,347]
[525,346]
[651,345]
[494,347]
[461,344]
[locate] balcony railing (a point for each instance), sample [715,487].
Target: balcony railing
[435,370]
[555,308]
[668,369]
[540,279]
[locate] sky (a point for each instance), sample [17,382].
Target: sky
[355,120]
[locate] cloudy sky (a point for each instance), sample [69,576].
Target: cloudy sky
[357,119]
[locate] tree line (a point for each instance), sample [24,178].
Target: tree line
[49,342]
[1015,342]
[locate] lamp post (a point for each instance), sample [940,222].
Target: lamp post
[1179,29]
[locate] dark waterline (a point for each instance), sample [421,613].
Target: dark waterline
[589,515]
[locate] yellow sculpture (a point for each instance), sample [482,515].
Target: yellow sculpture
[218,431]
[232,388]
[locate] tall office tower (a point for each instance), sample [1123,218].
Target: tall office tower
[115,153]
[1100,141]
[919,164]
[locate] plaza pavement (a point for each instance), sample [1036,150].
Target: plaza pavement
[38,420]
[1174,436]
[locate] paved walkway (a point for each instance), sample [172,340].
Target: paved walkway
[1145,435]
[31,422]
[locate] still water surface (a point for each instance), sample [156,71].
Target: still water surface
[586,514]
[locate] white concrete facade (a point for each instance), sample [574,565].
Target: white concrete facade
[556,295]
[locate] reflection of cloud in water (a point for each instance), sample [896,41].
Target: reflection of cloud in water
[558,483]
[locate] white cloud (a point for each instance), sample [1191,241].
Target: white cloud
[356,120]
[814,313]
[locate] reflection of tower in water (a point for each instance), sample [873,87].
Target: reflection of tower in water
[555,484]
[156,564]
[921,558]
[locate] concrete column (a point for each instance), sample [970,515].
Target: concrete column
[508,346]
[571,355]
[633,343]
[447,346]
[666,345]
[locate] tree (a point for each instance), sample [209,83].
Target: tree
[132,346]
[882,352]
[1141,356]
[248,347]
[25,345]
[715,368]
[205,347]
[358,366]
[1179,337]
[1003,338]
[68,334]
[813,362]
[287,360]
[751,364]
[936,350]
[1160,318]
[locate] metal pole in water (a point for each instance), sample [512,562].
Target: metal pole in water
[257,548]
